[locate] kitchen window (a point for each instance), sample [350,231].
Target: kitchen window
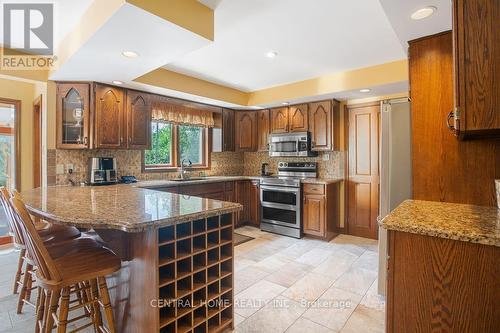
[170,144]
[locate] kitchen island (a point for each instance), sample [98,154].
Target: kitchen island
[443,268]
[176,251]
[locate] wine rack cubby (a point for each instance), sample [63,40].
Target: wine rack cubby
[195,270]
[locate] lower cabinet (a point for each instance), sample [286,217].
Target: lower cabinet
[247,194]
[320,209]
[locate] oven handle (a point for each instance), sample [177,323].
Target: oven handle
[280,189]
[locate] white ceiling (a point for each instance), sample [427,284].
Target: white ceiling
[398,12]
[312,38]
[67,13]
[156,40]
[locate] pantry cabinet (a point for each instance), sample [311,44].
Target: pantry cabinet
[476,39]
[245,131]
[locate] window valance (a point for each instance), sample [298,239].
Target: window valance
[177,113]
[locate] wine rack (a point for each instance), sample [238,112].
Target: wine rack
[195,269]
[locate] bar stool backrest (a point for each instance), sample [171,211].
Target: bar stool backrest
[34,244]
[5,195]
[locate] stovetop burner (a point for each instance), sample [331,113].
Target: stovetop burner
[290,174]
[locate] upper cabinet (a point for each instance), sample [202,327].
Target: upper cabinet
[109,117]
[476,37]
[73,115]
[263,129]
[320,118]
[279,120]
[245,131]
[227,130]
[298,118]
[138,120]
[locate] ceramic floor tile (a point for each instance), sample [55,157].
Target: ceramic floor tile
[238,319]
[298,249]
[314,257]
[365,320]
[333,308]
[273,263]
[309,287]
[242,263]
[289,274]
[275,317]
[255,297]
[356,280]
[368,260]
[303,325]
[247,277]
[372,299]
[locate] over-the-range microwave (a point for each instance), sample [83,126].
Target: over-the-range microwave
[291,145]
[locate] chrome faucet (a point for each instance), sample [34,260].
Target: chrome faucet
[185,163]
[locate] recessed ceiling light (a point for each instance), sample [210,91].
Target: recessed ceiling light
[271,54]
[117,82]
[365,90]
[423,13]
[130,54]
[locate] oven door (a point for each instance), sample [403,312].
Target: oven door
[280,205]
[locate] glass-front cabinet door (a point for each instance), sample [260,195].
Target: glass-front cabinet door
[73,113]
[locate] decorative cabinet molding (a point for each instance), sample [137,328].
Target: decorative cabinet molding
[138,120]
[298,118]
[109,117]
[263,129]
[246,131]
[279,120]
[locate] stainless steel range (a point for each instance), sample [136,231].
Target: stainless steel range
[281,198]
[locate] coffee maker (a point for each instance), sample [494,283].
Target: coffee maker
[102,171]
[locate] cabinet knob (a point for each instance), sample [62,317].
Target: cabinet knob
[448,118]
[121,140]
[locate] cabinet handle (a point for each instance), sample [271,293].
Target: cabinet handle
[129,139]
[448,118]
[85,140]
[121,140]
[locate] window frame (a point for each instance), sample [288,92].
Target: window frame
[175,164]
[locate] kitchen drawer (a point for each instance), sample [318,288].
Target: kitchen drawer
[314,188]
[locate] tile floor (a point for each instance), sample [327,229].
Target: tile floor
[281,285]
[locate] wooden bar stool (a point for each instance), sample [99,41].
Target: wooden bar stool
[81,271]
[50,234]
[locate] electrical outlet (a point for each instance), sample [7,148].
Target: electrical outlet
[60,169]
[69,168]
[326,157]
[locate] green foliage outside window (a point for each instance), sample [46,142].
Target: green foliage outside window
[190,144]
[161,145]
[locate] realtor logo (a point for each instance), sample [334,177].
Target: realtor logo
[29,27]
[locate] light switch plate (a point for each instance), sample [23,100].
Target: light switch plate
[60,169]
[326,157]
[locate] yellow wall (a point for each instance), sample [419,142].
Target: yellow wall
[23,91]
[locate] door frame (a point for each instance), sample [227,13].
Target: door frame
[17,138]
[347,107]
[37,141]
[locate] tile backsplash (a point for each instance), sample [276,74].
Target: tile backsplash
[226,164]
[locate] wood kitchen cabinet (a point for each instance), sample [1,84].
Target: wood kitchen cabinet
[476,38]
[298,118]
[321,125]
[248,195]
[73,113]
[321,210]
[245,131]
[138,120]
[109,117]
[228,130]
[254,203]
[263,129]
[279,120]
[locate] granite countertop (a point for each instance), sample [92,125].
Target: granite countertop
[122,207]
[468,223]
[151,184]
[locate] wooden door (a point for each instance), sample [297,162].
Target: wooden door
[109,117]
[242,189]
[246,131]
[363,180]
[298,118]
[263,130]
[73,109]
[320,125]
[279,120]
[138,120]
[227,130]
[314,215]
[476,35]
